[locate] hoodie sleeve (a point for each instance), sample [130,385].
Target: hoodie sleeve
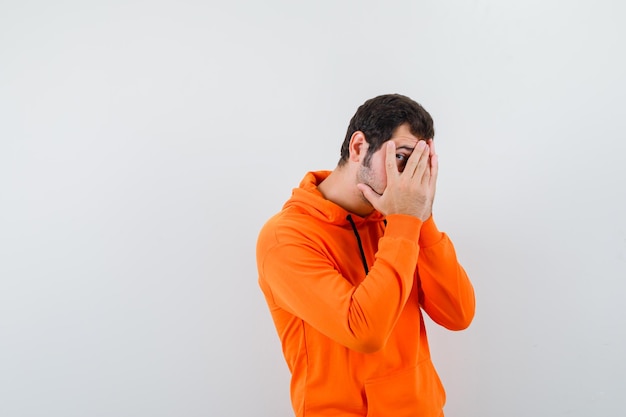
[297,276]
[446,293]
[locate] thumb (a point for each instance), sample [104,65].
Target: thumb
[369,194]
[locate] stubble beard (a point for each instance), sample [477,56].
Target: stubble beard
[366,176]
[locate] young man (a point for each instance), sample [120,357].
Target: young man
[351,261]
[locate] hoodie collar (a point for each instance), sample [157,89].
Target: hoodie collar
[307,197]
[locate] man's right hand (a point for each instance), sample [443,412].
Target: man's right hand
[411,191]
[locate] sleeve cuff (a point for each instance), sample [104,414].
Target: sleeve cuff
[429,234]
[403,226]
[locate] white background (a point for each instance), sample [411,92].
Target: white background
[144,143]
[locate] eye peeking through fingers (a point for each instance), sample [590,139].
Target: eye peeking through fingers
[401,161]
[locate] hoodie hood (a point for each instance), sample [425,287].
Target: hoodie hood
[308,199]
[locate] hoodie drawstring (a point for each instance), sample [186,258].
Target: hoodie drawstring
[358,239]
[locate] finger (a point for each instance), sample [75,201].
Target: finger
[432,153]
[412,164]
[369,194]
[434,170]
[431,146]
[423,162]
[391,166]
[425,179]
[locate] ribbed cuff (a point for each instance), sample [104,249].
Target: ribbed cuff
[429,234]
[403,226]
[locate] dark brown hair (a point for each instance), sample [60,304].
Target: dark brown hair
[380,116]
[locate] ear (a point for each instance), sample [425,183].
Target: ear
[358,146]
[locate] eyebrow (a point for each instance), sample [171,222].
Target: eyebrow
[406,148]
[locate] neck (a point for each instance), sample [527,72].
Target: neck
[340,188]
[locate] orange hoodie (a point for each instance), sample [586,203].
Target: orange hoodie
[345,294]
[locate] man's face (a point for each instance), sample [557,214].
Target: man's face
[374,173]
